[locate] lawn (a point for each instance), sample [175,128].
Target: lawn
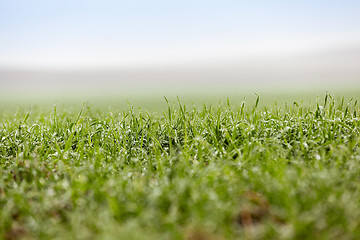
[225,170]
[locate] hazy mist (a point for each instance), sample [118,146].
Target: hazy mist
[87,48]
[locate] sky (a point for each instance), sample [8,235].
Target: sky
[105,34]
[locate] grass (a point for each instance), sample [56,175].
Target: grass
[224,171]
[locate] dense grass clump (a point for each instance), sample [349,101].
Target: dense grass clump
[215,172]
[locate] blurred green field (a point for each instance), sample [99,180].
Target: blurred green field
[153,99]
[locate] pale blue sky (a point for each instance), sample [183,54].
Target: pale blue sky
[47,34]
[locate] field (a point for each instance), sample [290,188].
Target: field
[224,170]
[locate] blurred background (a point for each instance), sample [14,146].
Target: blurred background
[100,51]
